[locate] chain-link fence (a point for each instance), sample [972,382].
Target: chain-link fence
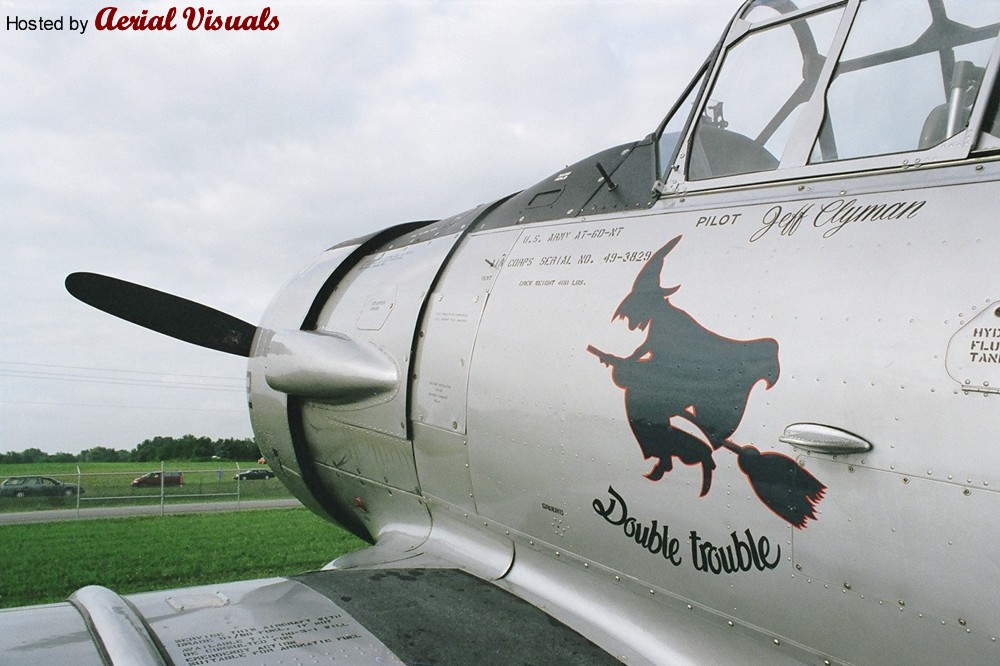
[142,485]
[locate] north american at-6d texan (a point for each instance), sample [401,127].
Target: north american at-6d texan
[729,393]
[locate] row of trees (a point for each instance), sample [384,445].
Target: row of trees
[187,447]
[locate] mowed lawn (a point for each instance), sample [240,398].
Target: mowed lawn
[46,562]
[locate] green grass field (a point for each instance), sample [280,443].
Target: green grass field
[110,484]
[46,562]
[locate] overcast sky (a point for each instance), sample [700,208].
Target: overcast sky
[214,165]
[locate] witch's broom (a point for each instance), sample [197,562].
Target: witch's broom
[780,483]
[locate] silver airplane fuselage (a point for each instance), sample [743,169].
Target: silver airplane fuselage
[731,391]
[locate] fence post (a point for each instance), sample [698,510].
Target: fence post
[163,498]
[238,481]
[79,485]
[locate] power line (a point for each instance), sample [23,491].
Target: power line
[132,372]
[121,382]
[147,379]
[110,406]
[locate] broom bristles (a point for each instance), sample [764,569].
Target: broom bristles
[786,488]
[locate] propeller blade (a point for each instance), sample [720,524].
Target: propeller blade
[164,313]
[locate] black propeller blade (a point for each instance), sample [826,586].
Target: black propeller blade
[164,313]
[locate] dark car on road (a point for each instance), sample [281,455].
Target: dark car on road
[36,486]
[250,474]
[152,479]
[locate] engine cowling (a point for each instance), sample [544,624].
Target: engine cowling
[330,377]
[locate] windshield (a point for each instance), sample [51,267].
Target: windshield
[821,82]
[765,80]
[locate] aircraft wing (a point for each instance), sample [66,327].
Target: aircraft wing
[402,616]
[339,616]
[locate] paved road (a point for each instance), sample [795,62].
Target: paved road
[148,510]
